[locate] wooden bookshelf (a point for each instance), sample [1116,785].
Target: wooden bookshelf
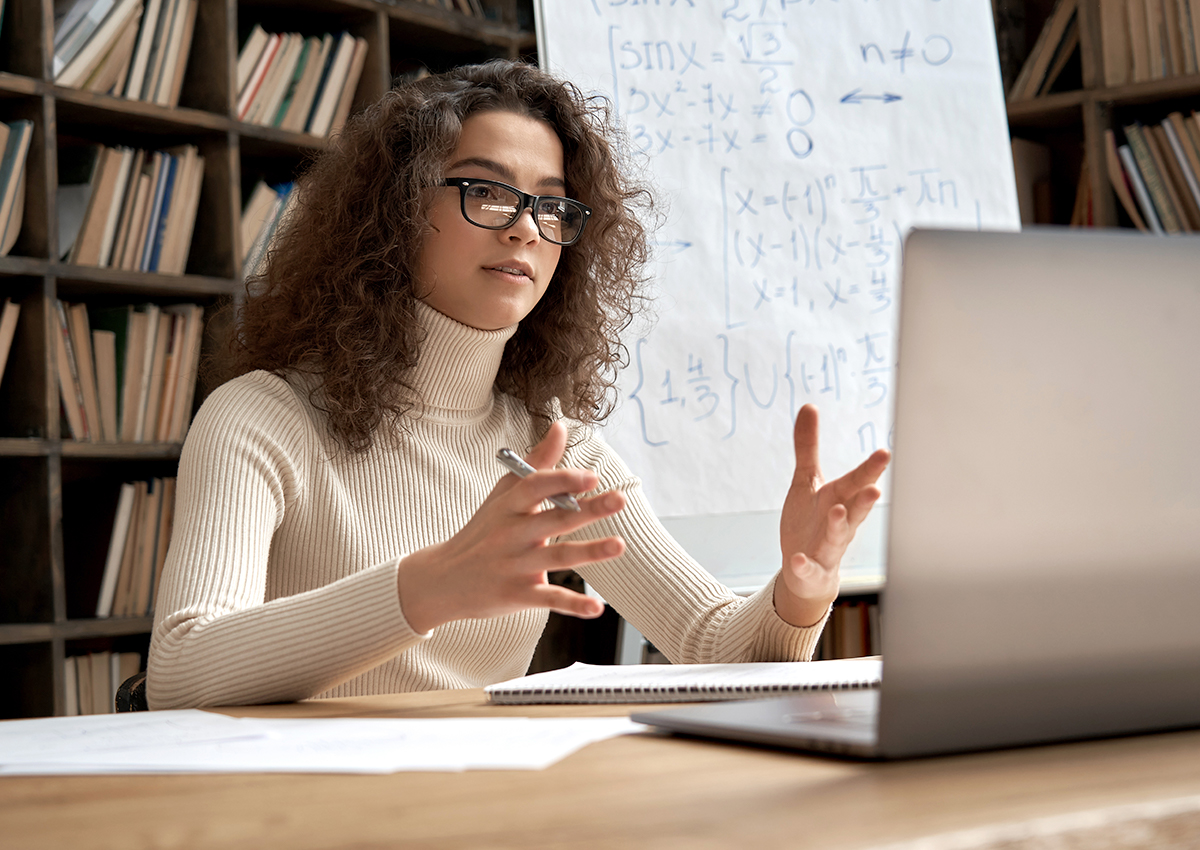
[1072,121]
[49,567]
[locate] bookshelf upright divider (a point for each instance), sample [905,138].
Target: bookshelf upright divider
[59,495]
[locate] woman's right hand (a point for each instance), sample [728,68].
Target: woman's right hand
[497,563]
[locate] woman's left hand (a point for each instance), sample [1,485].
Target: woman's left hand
[819,520]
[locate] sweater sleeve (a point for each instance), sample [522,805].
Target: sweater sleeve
[671,599]
[217,640]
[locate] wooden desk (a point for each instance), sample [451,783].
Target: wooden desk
[633,791]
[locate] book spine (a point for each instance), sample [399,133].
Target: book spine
[68,372]
[1139,189]
[12,173]
[1122,185]
[158,211]
[1152,179]
[116,548]
[1181,157]
[322,84]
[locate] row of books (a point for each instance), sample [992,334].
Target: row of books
[852,631]
[137,549]
[15,137]
[298,83]
[260,219]
[128,209]
[1149,39]
[1141,40]
[128,374]
[92,680]
[128,48]
[1155,172]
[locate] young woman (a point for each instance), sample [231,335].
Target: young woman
[452,282]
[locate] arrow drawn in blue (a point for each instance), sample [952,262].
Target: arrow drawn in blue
[855,97]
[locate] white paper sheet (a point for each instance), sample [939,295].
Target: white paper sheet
[203,742]
[792,145]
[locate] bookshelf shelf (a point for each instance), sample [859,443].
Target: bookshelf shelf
[16,84]
[120,451]
[74,630]
[1056,110]
[1152,91]
[26,633]
[16,266]
[35,447]
[58,496]
[114,281]
[107,627]
[272,140]
[16,447]
[134,115]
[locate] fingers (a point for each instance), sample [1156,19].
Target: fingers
[549,450]
[571,554]
[867,472]
[528,493]
[810,571]
[554,523]
[804,439]
[858,506]
[837,536]
[568,602]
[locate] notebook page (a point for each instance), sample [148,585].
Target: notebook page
[590,683]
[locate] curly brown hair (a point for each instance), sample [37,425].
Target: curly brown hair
[335,296]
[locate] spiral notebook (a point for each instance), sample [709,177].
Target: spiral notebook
[593,683]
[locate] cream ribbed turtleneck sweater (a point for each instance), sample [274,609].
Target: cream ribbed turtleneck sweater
[281,578]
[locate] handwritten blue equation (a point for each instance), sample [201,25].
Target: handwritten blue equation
[782,247]
[699,387]
[672,95]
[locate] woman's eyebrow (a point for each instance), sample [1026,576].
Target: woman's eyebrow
[504,171]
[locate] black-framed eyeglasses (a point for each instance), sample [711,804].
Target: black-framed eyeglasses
[495,206]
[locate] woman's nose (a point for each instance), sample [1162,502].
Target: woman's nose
[524,229]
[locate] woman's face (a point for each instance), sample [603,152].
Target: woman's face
[491,279]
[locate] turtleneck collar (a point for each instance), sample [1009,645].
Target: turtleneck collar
[457,365]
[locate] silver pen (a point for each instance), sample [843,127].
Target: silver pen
[518,467]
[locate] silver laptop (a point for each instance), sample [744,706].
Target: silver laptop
[1044,535]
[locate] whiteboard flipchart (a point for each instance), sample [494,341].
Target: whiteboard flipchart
[793,144]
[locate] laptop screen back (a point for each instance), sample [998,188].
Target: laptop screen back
[1044,543]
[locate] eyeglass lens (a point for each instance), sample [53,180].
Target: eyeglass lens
[489,205]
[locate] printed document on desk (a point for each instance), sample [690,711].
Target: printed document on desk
[590,683]
[194,741]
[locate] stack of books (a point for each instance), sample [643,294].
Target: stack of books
[260,219]
[133,48]
[14,151]
[92,680]
[128,209]
[297,83]
[137,549]
[128,374]
[1155,172]
[1149,39]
